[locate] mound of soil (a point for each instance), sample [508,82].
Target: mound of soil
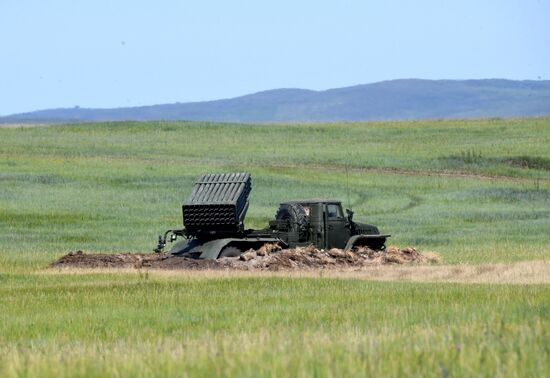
[268,258]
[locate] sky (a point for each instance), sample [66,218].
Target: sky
[63,53]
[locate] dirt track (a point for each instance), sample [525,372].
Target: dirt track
[267,258]
[411,172]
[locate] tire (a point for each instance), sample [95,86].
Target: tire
[374,244]
[230,252]
[297,216]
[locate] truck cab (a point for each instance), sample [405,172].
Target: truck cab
[322,222]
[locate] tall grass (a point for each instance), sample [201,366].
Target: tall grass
[127,325]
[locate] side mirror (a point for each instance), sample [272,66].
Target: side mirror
[350,214]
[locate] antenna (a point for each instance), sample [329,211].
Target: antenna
[347,186]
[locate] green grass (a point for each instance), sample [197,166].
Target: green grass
[115,186]
[474,191]
[158,326]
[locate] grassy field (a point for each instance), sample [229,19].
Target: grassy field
[477,192]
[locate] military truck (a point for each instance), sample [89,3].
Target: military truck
[213,219]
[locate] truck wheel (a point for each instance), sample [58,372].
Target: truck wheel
[230,252]
[376,245]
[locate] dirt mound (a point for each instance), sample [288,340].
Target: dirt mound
[268,258]
[79,259]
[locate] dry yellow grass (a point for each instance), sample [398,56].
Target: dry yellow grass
[525,272]
[22,125]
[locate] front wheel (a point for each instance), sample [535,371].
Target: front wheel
[374,244]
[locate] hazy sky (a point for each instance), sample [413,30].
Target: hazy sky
[62,53]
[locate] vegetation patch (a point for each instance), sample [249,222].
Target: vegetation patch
[40,219]
[46,179]
[527,162]
[507,195]
[473,158]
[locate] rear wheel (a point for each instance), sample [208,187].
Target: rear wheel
[230,252]
[183,246]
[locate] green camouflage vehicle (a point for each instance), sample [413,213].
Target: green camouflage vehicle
[213,219]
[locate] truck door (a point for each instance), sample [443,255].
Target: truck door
[337,232]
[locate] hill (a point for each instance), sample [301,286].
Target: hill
[405,99]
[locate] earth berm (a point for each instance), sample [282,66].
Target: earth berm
[268,258]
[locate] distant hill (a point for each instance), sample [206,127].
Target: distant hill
[404,99]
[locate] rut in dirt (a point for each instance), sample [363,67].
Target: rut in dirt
[270,257]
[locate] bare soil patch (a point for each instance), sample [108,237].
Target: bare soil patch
[268,258]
